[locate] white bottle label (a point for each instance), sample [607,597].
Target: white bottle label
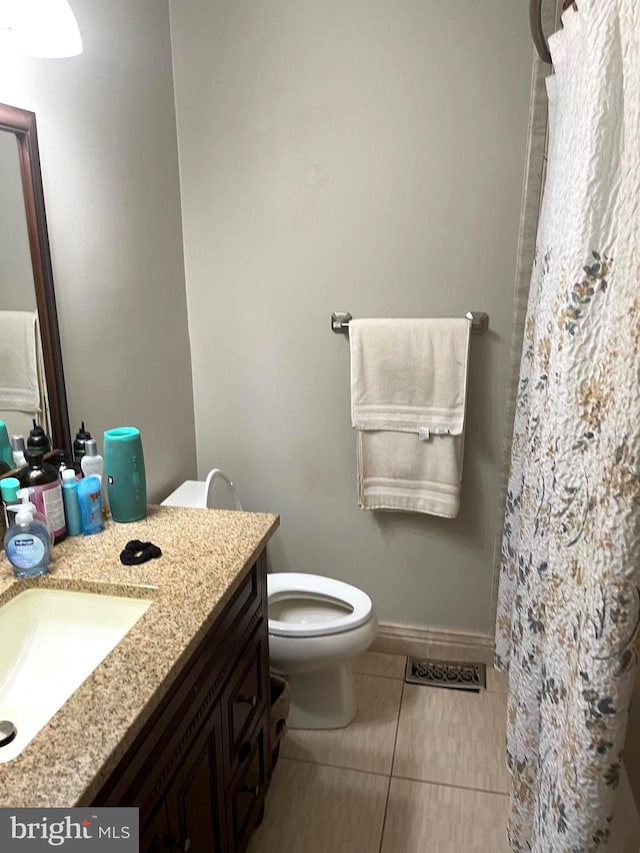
[24,550]
[48,500]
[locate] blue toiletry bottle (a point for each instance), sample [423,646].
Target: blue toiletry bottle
[27,543]
[71,500]
[89,495]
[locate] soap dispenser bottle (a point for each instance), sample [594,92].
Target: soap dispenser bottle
[26,543]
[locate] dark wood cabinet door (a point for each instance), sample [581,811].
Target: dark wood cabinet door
[195,795]
[154,839]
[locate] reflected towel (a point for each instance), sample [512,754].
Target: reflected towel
[408,402]
[19,371]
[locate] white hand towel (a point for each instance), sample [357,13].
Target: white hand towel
[408,401]
[19,342]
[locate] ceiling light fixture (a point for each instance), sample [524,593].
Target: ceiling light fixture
[44,28]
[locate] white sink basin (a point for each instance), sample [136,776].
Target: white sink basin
[50,641]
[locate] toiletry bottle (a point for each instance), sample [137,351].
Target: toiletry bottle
[43,481]
[78,445]
[24,495]
[90,498]
[38,439]
[26,543]
[17,451]
[93,463]
[9,488]
[71,502]
[63,462]
[5,447]
[125,474]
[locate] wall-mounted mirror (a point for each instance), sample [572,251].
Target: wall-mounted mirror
[31,374]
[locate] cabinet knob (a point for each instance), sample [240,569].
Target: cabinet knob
[252,701]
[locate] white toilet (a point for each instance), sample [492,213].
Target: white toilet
[317,626]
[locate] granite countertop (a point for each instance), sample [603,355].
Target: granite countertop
[205,555]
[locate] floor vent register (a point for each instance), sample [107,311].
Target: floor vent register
[445,673]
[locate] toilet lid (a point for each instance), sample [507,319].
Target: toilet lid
[348,607]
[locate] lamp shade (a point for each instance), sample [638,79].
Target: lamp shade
[7,14]
[46,28]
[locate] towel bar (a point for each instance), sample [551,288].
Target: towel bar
[479,321]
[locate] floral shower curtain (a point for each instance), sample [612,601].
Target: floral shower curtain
[569,587]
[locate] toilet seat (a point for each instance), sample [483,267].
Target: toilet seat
[283,585]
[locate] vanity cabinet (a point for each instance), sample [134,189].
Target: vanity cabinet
[199,769]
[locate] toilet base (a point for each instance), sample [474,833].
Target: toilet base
[322,699]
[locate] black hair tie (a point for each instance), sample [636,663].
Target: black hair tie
[136,552]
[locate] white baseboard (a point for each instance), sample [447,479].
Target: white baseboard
[419,641]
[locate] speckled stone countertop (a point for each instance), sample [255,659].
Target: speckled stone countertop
[205,555]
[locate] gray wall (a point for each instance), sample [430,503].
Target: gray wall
[361,155]
[106,126]
[17,292]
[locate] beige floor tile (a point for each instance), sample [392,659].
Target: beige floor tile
[452,737]
[315,809]
[423,818]
[366,744]
[379,663]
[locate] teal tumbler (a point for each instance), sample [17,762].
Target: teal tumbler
[124,470]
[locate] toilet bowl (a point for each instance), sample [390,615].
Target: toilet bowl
[317,626]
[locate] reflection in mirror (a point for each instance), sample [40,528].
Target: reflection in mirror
[31,376]
[22,390]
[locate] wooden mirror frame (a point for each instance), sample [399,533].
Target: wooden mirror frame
[22,123]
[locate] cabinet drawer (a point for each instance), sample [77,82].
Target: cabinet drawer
[246,794]
[245,699]
[244,602]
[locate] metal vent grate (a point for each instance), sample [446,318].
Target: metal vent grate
[446,673]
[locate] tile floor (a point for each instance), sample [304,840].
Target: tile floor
[420,769]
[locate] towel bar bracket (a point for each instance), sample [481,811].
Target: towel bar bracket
[479,321]
[340,321]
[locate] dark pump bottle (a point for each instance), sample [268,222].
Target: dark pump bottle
[82,436]
[38,439]
[45,491]
[63,462]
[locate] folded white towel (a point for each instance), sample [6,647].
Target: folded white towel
[19,343]
[408,401]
